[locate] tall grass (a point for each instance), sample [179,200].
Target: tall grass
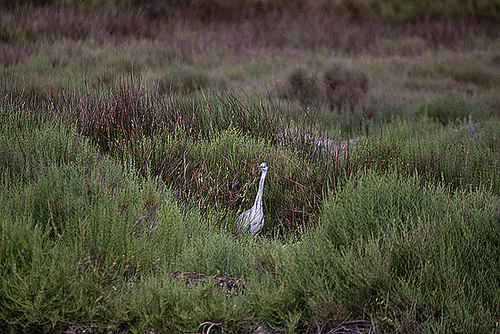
[104,196]
[418,258]
[118,197]
[70,249]
[205,147]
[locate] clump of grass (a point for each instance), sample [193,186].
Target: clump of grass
[10,34]
[456,156]
[187,82]
[303,88]
[111,118]
[450,108]
[344,87]
[341,88]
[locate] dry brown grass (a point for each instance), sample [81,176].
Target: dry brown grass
[22,30]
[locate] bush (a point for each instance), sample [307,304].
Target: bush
[344,87]
[410,256]
[85,240]
[452,107]
[303,88]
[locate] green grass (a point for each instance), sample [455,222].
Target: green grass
[413,255]
[71,250]
[401,230]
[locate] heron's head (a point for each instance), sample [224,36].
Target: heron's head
[263,167]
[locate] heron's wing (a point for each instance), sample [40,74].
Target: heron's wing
[244,219]
[257,223]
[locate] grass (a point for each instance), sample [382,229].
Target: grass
[129,145]
[79,215]
[73,253]
[407,251]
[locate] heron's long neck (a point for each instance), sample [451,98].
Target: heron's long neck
[258,198]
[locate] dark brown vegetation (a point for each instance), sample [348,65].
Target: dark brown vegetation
[405,10]
[344,87]
[339,88]
[302,87]
[22,30]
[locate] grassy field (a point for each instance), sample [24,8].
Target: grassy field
[131,132]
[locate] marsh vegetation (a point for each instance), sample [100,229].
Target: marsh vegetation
[131,132]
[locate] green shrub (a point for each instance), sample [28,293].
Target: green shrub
[170,307]
[460,156]
[81,232]
[411,256]
[452,107]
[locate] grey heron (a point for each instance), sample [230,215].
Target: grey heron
[253,219]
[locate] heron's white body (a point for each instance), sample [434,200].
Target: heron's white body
[253,218]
